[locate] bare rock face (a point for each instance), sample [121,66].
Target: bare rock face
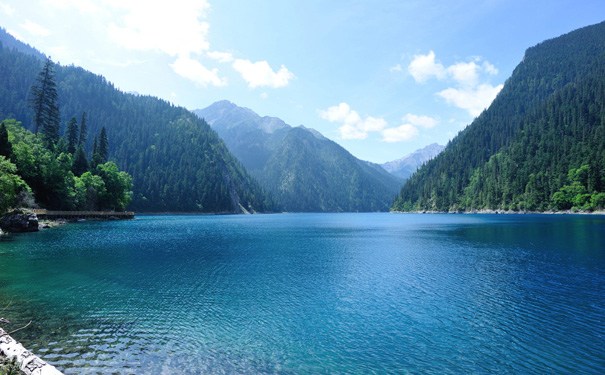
[19,221]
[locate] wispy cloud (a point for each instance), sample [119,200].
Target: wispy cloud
[84,6]
[353,126]
[7,9]
[472,92]
[34,29]
[196,72]
[260,74]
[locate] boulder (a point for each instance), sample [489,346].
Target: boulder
[19,221]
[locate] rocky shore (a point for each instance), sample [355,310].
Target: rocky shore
[29,363]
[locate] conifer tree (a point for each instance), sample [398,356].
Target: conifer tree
[103,145]
[80,164]
[6,149]
[44,102]
[72,135]
[83,130]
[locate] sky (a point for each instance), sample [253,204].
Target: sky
[382,78]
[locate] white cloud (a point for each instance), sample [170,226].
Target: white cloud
[34,28]
[196,72]
[396,68]
[466,74]
[422,121]
[120,64]
[7,9]
[401,133]
[354,127]
[424,67]
[489,68]
[260,74]
[223,57]
[84,6]
[472,92]
[264,95]
[172,27]
[474,100]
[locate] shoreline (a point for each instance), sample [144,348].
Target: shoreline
[29,363]
[503,212]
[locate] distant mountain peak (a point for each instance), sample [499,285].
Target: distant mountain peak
[408,164]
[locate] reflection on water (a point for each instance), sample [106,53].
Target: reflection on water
[312,293]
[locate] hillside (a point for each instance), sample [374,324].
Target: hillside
[539,146]
[176,161]
[304,171]
[407,165]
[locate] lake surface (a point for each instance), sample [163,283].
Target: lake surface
[312,293]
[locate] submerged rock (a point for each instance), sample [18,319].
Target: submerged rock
[19,221]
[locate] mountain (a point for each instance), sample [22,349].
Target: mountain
[305,171]
[177,162]
[407,165]
[539,146]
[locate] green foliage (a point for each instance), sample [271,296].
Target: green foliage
[72,135]
[50,177]
[10,366]
[6,149]
[103,149]
[540,145]
[44,103]
[83,130]
[80,164]
[10,185]
[176,161]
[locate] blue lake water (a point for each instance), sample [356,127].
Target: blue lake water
[312,293]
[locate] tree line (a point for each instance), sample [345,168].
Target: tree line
[176,161]
[42,168]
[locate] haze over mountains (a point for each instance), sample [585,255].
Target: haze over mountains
[407,165]
[301,168]
[176,161]
[539,146]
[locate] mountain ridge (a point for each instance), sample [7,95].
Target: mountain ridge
[540,144]
[177,162]
[304,170]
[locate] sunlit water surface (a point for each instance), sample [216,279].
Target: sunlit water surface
[312,293]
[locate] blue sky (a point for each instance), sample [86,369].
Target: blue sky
[381,78]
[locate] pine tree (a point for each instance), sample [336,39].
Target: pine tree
[83,130]
[80,164]
[103,145]
[6,149]
[72,135]
[44,102]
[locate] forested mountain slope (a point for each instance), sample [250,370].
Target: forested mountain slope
[304,171]
[176,161]
[539,146]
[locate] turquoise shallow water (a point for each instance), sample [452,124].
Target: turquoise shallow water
[312,293]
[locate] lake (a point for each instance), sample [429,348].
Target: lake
[312,293]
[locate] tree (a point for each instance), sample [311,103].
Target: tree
[118,185]
[44,103]
[10,184]
[103,145]
[6,149]
[80,164]
[83,130]
[72,135]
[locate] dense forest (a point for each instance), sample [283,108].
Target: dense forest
[539,146]
[304,171]
[176,161]
[33,174]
